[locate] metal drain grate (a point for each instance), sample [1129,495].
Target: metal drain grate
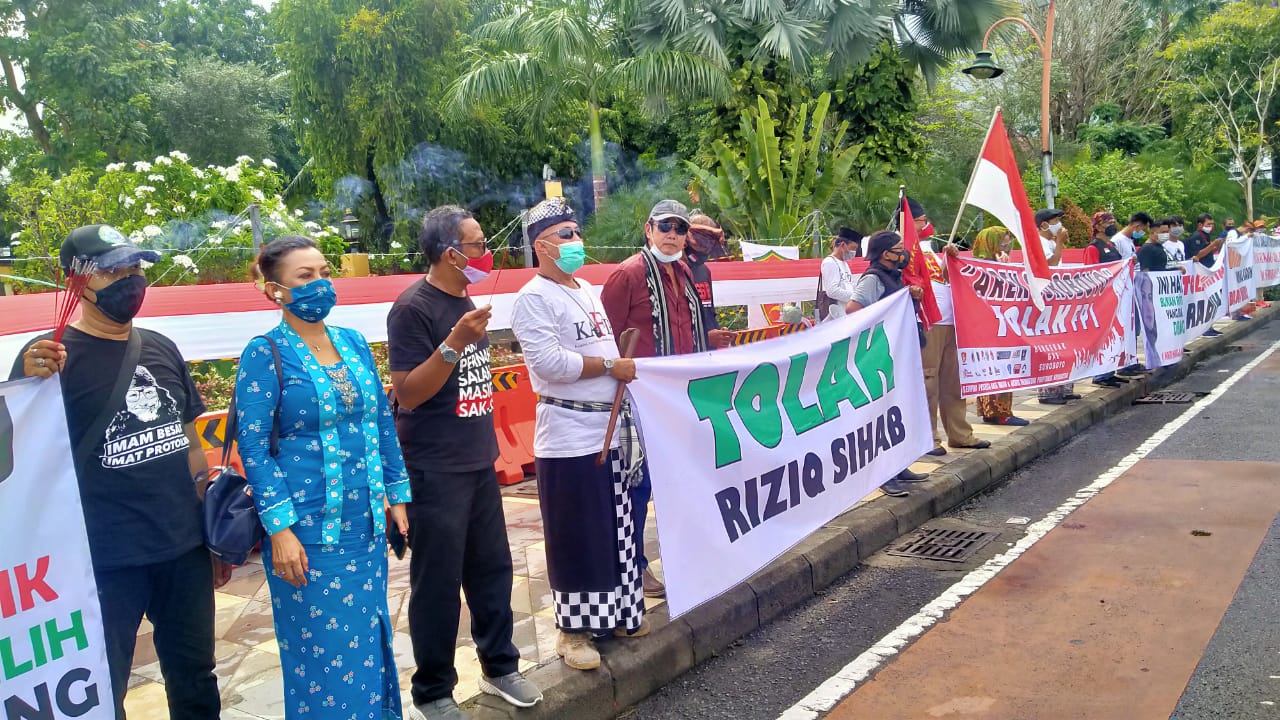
[1167,398]
[944,544]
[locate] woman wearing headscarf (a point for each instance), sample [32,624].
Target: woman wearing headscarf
[995,243]
[326,496]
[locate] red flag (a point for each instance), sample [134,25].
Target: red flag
[997,188]
[917,272]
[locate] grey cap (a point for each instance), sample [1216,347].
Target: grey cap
[669,209]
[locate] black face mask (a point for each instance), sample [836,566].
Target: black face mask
[1110,230]
[904,259]
[121,300]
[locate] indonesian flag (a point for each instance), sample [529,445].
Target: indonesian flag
[918,272]
[997,188]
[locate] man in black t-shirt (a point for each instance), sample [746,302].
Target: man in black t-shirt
[439,357]
[142,476]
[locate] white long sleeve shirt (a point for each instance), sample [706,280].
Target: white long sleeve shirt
[838,283]
[557,327]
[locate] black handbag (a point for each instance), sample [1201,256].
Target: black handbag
[231,525]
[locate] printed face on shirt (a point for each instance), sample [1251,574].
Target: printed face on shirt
[149,426]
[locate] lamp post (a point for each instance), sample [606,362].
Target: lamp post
[351,231]
[985,68]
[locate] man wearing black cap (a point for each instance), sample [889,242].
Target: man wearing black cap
[654,292]
[129,386]
[881,279]
[836,281]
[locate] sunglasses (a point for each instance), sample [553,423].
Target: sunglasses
[666,226]
[567,233]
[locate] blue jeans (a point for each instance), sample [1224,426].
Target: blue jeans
[640,495]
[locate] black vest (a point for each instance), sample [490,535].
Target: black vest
[1106,251]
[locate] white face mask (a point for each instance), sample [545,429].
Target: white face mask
[1162,237]
[1055,228]
[665,258]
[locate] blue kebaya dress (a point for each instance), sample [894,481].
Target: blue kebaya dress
[338,459]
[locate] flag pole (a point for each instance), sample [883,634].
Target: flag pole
[896,219]
[972,176]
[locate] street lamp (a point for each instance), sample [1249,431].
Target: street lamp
[351,231]
[985,68]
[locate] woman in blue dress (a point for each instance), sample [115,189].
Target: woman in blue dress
[326,497]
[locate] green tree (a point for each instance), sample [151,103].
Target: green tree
[216,111]
[79,72]
[1229,92]
[768,188]
[551,53]
[233,30]
[363,74]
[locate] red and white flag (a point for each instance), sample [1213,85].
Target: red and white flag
[918,271]
[997,188]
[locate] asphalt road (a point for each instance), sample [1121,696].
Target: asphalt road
[769,671]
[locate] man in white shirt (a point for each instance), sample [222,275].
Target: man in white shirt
[836,281]
[1173,246]
[574,367]
[1124,240]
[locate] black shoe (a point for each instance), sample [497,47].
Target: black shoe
[1015,421]
[1110,382]
[1072,396]
[1053,401]
[1212,333]
[1133,370]
[893,489]
[980,445]
[937,452]
[909,476]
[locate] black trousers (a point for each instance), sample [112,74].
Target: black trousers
[458,537]
[177,597]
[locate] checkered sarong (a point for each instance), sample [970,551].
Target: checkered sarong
[628,436]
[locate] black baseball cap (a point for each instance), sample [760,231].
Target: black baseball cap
[1048,214]
[106,246]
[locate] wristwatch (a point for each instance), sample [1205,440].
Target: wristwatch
[448,354]
[608,366]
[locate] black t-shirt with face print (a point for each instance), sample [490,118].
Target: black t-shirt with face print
[140,504]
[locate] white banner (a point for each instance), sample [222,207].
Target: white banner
[1266,260]
[756,251]
[53,661]
[1242,283]
[754,448]
[1162,312]
[1204,293]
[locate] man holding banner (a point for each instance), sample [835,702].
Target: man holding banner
[131,406]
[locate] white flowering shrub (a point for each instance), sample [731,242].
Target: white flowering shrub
[195,217]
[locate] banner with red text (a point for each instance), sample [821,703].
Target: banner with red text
[53,658]
[1204,296]
[1266,259]
[1242,281]
[1006,343]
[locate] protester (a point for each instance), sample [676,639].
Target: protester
[122,385]
[836,279]
[1053,239]
[1154,256]
[1229,233]
[654,293]
[327,497]
[995,243]
[1126,241]
[1174,247]
[939,356]
[705,243]
[882,278]
[439,356]
[1202,249]
[1103,248]
[573,363]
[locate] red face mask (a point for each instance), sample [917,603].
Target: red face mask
[926,231]
[484,263]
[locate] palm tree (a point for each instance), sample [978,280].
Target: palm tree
[928,33]
[551,52]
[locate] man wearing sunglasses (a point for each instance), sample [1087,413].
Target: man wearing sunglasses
[654,292]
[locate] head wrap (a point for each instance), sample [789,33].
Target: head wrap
[987,243]
[1100,220]
[548,213]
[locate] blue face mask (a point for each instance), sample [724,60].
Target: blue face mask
[1139,234]
[573,255]
[313,301]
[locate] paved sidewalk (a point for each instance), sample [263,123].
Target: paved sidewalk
[248,661]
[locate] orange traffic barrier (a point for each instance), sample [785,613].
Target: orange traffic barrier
[514,406]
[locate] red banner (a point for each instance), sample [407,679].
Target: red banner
[1006,343]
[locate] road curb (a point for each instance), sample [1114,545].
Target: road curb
[634,669]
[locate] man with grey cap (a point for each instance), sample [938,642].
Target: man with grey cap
[654,293]
[140,494]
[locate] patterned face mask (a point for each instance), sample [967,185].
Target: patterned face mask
[313,301]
